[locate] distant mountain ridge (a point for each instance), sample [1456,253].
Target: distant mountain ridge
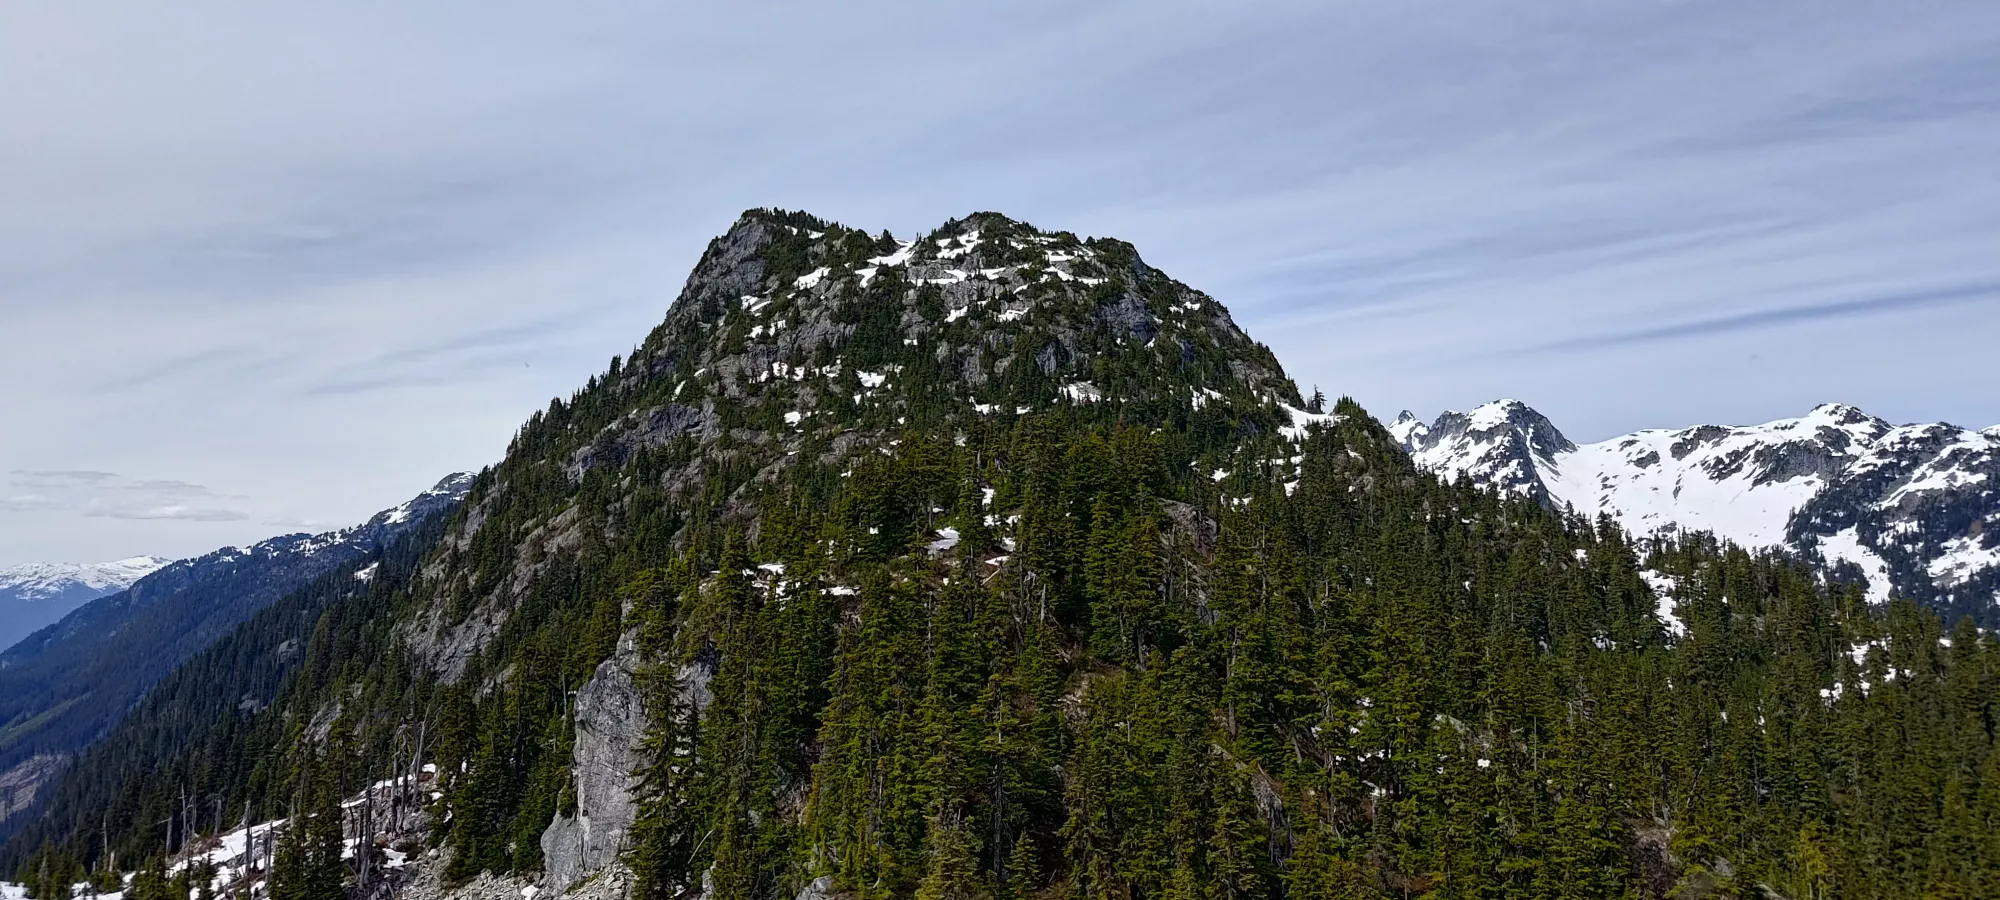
[63,685]
[317,551]
[35,581]
[34,595]
[1909,509]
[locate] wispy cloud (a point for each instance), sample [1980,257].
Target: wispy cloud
[141,512]
[108,495]
[1901,301]
[289,522]
[64,477]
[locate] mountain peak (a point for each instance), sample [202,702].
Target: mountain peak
[1841,416]
[1408,430]
[793,326]
[1505,443]
[1840,411]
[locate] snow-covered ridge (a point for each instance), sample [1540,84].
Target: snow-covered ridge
[36,595]
[297,554]
[446,492]
[36,581]
[1912,507]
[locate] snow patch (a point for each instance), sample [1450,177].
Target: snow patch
[1663,586]
[1962,558]
[1846,545]
[900,257]
[1302,421]
[1082,392]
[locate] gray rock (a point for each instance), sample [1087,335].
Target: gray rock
[648,428]
[1128,317]
[18,785]
[610,724]
[820,888]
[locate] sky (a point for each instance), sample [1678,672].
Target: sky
[272,266]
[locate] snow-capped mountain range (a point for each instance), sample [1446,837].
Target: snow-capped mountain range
[35,595]
[1914,510]
[39,581]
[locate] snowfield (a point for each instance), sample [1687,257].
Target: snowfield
[1835,481]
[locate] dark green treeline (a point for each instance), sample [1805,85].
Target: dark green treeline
[1129,679]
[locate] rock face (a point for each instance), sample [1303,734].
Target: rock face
[19,784]
[610,723]
[1907,510]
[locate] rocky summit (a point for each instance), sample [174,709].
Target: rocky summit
[793,331]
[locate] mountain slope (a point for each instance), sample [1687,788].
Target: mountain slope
[797,351]
[62,686]
[1907,509]
[37,594]
[999,564]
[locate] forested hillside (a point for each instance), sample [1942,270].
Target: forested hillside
[999,565]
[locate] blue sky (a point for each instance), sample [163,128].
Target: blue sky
[274,266]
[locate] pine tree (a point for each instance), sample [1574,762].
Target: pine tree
[951,870]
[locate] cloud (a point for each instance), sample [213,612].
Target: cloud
[172,512]
[1901,301]
[324,286]
[289,522]
[72,476]
[108,495]
[170,488]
